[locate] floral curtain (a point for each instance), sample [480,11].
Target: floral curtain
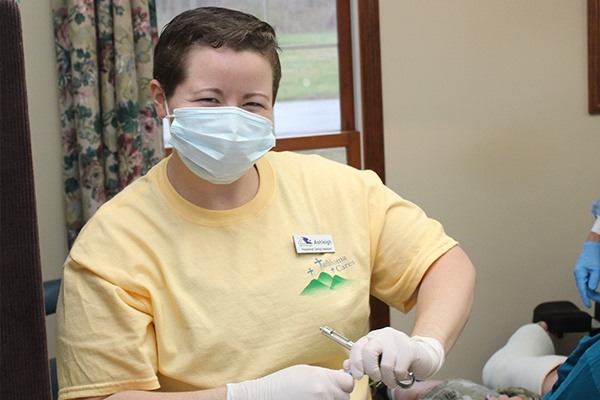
[111,134]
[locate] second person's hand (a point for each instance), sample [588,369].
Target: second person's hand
[587,273]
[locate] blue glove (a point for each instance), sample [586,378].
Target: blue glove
[596,208]
[587,272]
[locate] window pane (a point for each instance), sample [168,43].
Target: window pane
[303,117]
[308,99]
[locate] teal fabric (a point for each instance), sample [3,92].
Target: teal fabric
[579,375]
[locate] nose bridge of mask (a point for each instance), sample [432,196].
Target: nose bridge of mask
[214,120]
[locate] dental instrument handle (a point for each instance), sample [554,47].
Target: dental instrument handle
[336,337]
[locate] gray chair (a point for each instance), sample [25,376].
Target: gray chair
[51,291]
[565,317]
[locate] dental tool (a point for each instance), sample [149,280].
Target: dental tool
[336,337]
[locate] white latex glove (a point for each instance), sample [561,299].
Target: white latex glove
[300,382]
[399,354]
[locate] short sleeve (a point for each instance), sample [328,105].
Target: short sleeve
[106,339]
[408,243]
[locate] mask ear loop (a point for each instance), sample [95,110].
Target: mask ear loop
[167,123]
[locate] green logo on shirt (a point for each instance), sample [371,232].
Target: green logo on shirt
[324,283]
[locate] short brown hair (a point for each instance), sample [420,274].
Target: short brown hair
[215,27]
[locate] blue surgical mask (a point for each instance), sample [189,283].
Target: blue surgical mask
[220,144]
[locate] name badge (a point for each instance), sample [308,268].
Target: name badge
[313,244]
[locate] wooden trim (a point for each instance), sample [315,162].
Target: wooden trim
[345,66]
[371,92]
[372,114]
[350,140]
[316,141]
[353,150]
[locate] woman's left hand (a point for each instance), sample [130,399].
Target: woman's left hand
[388,355]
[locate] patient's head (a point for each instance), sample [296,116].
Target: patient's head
[215,27]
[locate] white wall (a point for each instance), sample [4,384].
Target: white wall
[42,94]
[486,127]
